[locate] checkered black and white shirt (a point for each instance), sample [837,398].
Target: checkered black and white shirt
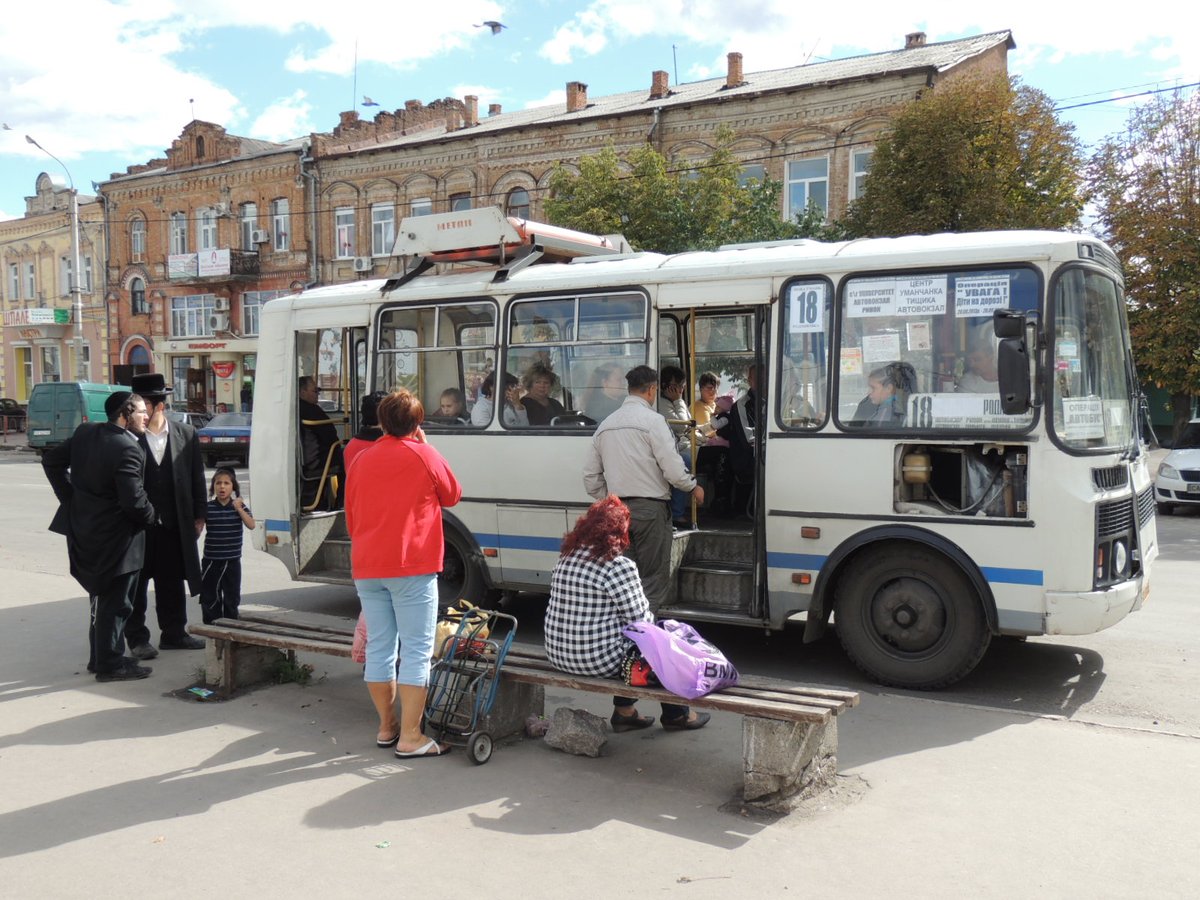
[590,602]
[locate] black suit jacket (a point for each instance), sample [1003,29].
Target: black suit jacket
[103,508]
[191,494]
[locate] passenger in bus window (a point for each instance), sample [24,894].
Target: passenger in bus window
[513,415]
[368,429]
[539,381]
[317,435]
[888,388]
[605,392]
[452,406]
[981,376]
[794,408]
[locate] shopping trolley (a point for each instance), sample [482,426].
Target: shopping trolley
[463,680]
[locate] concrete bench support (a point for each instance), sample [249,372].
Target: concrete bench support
[785,762]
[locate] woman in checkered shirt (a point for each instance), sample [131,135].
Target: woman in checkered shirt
[594,593]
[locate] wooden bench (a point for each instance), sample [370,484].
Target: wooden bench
[789,732]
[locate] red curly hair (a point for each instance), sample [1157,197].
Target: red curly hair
[602,533]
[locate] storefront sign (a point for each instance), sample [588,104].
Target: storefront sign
[224,369]
[214,262]
[36,316]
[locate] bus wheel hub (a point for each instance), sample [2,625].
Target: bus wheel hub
[908,615]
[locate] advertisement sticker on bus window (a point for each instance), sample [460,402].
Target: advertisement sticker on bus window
[918,336]
[806,308]
[980,296]
[880,347]
[924,296]
[851,361]
[1083,418]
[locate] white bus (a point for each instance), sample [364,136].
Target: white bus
[999,487]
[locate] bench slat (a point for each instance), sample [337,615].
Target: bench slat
[791,710]
[262,639]
[302,632]
[282,623]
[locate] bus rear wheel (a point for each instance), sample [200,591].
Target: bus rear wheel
[910,618]
[462,576]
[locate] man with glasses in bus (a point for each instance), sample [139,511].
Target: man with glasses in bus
[633,455]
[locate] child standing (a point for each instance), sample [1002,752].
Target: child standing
[221,567]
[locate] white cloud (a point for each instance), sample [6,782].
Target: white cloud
[286,118]
[485,94]
[554,98]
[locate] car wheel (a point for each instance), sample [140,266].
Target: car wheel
[909,617]
[1164,509]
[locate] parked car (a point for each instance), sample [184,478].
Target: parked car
[226,437]
[57,408]
[1178,480]
[196,419]
[13,413]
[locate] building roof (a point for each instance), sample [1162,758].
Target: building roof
[938,57]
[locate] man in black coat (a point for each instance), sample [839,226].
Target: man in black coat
[97,477]
[175,483]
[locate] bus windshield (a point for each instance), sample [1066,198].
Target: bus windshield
[1092,407]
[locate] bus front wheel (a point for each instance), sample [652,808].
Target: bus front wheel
[909,617]
[462,576]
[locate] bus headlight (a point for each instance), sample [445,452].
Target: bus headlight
[1120,559]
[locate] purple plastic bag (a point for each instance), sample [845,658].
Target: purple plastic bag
[684,662]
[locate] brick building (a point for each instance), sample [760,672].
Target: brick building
[225,222]
[39,335]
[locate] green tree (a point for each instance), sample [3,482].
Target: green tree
[665,210]
[1146,186]
[972,154]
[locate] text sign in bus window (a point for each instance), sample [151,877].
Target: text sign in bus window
[902,296]
[980,296]
[806,308]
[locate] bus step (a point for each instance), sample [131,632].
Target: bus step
[714,547]
[335,553]
[327,576]
[723,585]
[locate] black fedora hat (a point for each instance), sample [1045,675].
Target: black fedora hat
[151,384]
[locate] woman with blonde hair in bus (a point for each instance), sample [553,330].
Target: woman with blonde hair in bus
[539,380]
[594,593]
[394,517]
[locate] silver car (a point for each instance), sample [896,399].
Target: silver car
[1178,480]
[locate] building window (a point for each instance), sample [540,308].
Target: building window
[87,274]
[138,304]
[518,203]
[860,164]
[422,206]
[280,223]
[807,184]
[460,202]
[137,240]
[179,233]
[189,315]
[199,147]
[751,173]
[248,223]
[66,275]
[206,225]
[30,282]
[383,229]
[343,228]
[14,281]
[51,364]
[252,303]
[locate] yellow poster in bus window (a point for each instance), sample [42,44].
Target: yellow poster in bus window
[852,361]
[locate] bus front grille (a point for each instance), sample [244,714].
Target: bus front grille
[1145,505]
[1114,517]
[1110,477]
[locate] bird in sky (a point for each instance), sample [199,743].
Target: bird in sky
[367,101]
[7,127]
[495,26]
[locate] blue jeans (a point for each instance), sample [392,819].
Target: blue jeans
[680,506]
[399,611]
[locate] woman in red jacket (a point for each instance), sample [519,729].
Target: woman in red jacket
[394,516]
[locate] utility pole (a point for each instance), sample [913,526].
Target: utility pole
[81,369]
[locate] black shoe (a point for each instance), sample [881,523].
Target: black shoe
[187,642]
[622,723]
[127,671]
[684,724]
[143,651]
[682,524]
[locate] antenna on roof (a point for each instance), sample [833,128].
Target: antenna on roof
[675,60]
[192,106]
[354,89]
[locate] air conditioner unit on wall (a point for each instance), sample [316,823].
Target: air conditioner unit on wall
[260,237]
[218,321]
[221,304]
[363,264]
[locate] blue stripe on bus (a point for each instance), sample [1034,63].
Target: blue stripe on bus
[277,525]
[520,542]
[812,561]
[1012,576]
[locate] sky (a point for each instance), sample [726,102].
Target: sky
[104,84]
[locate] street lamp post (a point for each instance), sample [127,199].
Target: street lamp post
[81,372]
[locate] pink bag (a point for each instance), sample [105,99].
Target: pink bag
[685,663]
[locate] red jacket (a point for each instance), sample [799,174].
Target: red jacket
[394,509]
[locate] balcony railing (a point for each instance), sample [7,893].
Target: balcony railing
[213,265]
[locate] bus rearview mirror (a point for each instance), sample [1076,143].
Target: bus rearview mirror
[1012,367]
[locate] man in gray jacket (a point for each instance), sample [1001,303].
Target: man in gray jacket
[633,455]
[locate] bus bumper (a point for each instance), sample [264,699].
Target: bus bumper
[1069,612]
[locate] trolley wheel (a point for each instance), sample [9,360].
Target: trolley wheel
[479,747]
[462,575]
[909,617]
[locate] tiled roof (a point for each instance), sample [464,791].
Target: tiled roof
[940,57]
